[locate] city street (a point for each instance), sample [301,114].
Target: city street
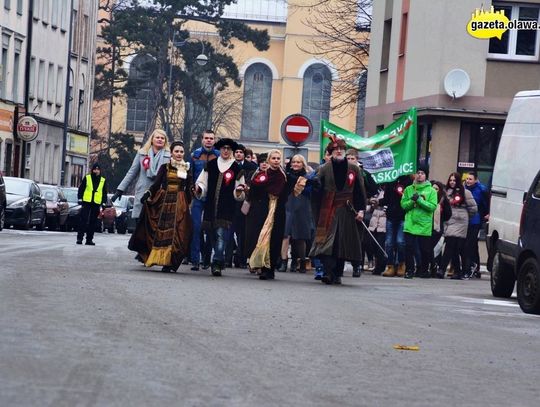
[89,326]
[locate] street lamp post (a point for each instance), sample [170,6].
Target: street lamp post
[201,60]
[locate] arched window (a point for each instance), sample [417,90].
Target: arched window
[256,105]
[361,103]
[140,103]
[316,96]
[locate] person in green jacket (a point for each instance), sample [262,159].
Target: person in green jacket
[419,201]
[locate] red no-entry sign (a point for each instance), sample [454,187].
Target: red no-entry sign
[296,129]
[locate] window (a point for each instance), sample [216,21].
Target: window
[59,86]
[16,68]
[516,44]
[316,96]
[8,159]
[80,112]
[55,13]
[361,103]
[32,82]
[65,13]
[50,84]
[7,4]
[45,11]
[41,81]
[19,7]
[478,145]
[86,28]
[256,102]
[37,5]
[74,36]
[5,49]
[536,189]
[140,104]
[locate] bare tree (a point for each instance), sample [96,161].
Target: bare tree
[341,36]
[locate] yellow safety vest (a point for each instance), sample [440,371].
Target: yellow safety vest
[91,195]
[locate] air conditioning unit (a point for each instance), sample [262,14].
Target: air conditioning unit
[27,162]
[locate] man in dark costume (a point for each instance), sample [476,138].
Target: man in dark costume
[222,184]
[337,235]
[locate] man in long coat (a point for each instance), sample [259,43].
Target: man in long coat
[337,236]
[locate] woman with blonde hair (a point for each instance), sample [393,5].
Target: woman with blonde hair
[299,224]
[266,218]
[144,169]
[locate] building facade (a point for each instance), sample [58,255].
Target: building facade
[14,32]
[415,44]
[40,84]
[284,80]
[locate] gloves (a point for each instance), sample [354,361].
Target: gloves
[145,197]
[118,194]
[79,202]
[415,197]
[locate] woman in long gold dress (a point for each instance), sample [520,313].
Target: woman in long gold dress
[163,234]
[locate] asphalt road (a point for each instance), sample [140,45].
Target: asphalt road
[89,326]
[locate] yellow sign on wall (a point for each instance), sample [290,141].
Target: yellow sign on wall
[77,144]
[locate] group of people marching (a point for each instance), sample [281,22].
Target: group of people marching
[224,206]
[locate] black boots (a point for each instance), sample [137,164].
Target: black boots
[356,271]
[302,268]
[266,274]
[294,265]
[283,266]
[217,268]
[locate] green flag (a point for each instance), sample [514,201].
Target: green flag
[388,154]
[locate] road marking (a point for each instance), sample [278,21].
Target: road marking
[483,301]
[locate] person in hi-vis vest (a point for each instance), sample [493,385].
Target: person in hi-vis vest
[92,195]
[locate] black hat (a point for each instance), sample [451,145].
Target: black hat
[424,168]
[96,166]
[227,142]
[240,147]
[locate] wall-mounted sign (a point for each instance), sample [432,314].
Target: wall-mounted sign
[6,120]
[27,128]
[77,144]
[462,164]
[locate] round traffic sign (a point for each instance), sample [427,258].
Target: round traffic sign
[27,128]
[296,129]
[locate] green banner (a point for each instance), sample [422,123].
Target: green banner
[388,154]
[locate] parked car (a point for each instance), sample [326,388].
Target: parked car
[2,202]
[527,270]
[25,207]
[122,207]
[513,174]
[106,217]
[130,222]
[74,208]
[57,207]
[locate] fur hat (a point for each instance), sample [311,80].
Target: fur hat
[334,143]
[227,142]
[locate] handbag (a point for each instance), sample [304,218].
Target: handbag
[245,207]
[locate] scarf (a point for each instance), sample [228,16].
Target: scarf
[182,168]
[156,160]
[276,181]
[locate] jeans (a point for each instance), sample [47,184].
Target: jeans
[219,243]
[87,224]
[395,239]
[412,242]
[197,208]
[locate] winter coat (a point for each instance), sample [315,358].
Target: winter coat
[137,172]
[419,214]
[457,225]
[480,194]
[300,224]
[377,222]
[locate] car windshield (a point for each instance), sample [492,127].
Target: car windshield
[49,194]
[71,195]
[122,202]
[16,187]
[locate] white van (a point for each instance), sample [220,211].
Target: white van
[516,165]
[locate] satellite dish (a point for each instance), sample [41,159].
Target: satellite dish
[457,83]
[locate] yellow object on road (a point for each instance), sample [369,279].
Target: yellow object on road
[404,347]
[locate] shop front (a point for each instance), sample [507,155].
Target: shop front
[76,158]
